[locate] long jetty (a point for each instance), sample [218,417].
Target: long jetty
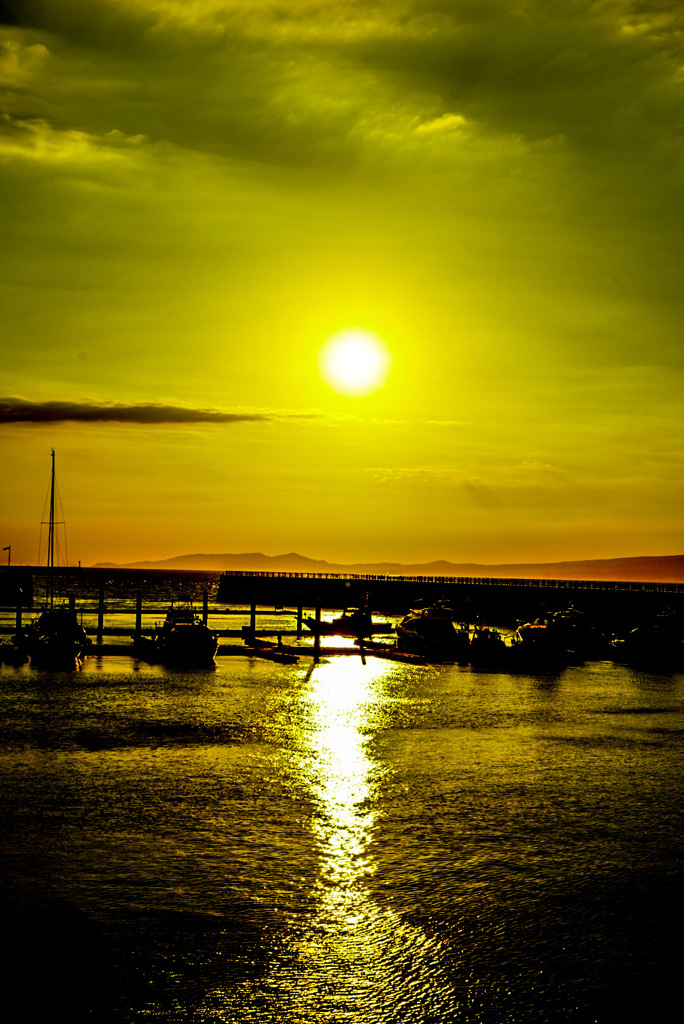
[496,599]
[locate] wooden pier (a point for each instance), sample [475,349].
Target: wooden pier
[493,599]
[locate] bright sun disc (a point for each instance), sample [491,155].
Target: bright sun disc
[355,362]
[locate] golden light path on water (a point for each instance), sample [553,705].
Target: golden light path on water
[357,956]
[340,697]
[352,957]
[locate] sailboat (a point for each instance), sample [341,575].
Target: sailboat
[56,639]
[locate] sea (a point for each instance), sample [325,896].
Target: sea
[353,840]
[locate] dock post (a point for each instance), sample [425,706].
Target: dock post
[18,616]
[205,606]
[300,617]
[138,614]
[72,603]
[100,613]
[317,634]
[252,618]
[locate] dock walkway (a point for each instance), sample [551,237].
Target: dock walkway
[497,599]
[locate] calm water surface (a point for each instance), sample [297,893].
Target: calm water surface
[341,842]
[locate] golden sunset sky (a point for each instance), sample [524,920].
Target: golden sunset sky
[196,194]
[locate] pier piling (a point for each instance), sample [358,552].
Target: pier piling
[100,614]
[138,614]
[317,635]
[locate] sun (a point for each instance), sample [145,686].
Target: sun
[355,361]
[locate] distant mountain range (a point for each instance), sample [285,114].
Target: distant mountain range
[661,569]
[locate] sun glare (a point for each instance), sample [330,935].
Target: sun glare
[355,361]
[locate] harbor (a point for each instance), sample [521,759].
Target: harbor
[287,616]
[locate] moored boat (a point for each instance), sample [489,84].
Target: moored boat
[10,654]
[565,637]
[431,633]
[182,640]
[55,639]
[487,648]
[658,642]
[353,622]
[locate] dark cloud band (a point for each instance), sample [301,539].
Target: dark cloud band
[6,15]
[18,410]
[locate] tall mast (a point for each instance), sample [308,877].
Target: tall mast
[52,524]
[51,534]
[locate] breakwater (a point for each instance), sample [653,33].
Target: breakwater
[471,598]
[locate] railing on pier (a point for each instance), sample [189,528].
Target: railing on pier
[643,587]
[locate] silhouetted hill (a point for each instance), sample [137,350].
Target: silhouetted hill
[665,568]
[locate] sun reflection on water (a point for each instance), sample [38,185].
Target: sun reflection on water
[342,774]
[350,956]
[356,953]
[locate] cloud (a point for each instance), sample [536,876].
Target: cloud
[312,82]
[445,123]
[37,140]
[19,410]
[529,484]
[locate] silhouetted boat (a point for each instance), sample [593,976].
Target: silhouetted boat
[183,640]
[56,639]
[532,646]
[10,654]
[487,648]
[431,633]
[355,622]
[564,638]
[658,643]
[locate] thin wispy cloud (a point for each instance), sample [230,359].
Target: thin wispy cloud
[19,410]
